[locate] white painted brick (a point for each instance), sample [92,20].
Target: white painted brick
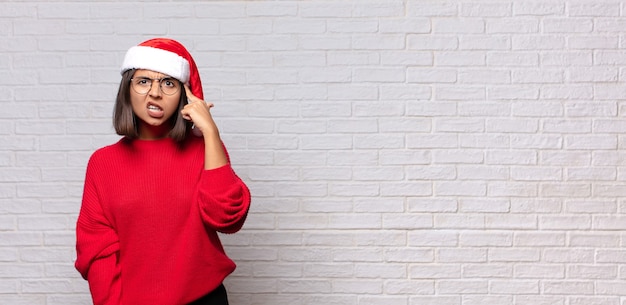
[417,42]
[570,58]
[538,8]
[393,221]
[544,42]
[385,238]
[431,173]
[539,300]
[409,287]
[596,174]
[296,286]
[592,272]
[483,206]
[357,255]
[539,271]
[513,125]
[525,205]
[514,255]
[460,188]
[461,26]
[432,238]
[510,221]
[339,270]
[493,239]
[484,76]
[536,174]
[412,25]
[609,222]
[432,9]
[326,75]
[356,26]
[255,9]
[346,58]
[461,255]
[438,108]
[564,222]
[513,92]
[354,189]
[245,26]
[457,156]
[325,174]
[73,299]
[328,239]
[231,44]
[560,287]
[357,286]
[465,286]
[544,76]
[528,141]
[484,42]
[482,299]
[460,93]
[595,9]
[386,271]
[586,109]
[413,255]
[494,141]
[379,8]
[526,239]
[513,59]
[36,223]
[560,189]
[452,221]
[610,287]
[352,92]
[352,158]
[610,256]
[382,109]
[489,271]
[431,75]
[485,9]
[379,141]
[379,75]
[512,25]
[515,287]
[590,206]
[593,42]
[321,42]
[567,25]
[460,58]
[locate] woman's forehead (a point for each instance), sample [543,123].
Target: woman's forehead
[150,73]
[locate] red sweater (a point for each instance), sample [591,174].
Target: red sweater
[147,228]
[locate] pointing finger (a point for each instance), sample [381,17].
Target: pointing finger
[190,97]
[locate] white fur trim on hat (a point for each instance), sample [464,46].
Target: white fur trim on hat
[159,60]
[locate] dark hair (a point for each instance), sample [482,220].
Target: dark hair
[125,121]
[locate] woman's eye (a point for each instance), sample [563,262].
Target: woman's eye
[168,83]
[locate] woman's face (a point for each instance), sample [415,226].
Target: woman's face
[151,103]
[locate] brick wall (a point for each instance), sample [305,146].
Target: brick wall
[399,152]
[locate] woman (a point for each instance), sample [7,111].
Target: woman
[154,201]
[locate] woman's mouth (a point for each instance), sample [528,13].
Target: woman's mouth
[155,111]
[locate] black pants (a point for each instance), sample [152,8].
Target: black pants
[215,297]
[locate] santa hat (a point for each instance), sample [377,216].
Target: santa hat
[166,56]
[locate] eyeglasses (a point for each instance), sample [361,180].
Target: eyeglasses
[143,85]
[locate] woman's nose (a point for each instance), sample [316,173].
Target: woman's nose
[155,89]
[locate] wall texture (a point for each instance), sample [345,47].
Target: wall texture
[399,152]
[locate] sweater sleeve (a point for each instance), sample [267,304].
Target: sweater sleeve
[224,199]
[97,248]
